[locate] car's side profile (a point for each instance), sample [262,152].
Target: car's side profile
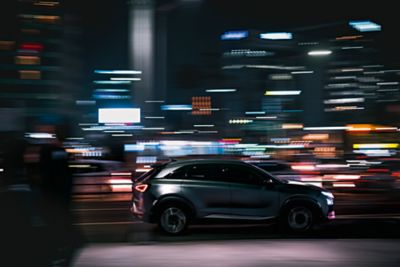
[183,192]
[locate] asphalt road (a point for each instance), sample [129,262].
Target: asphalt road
[257,253]
[365,233]
[112,208]
[106,218]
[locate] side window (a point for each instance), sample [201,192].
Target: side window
[179,173]
[172,172]
[206,172]
[242,175]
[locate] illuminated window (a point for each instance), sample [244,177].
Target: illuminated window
[27,60]
[47,3]
[30,31]
[32,46]
[201,105]
[47,19]
[7,45]
[30,75]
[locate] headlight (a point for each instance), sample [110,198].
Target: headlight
[327,194]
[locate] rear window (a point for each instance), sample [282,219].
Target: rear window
[146,175]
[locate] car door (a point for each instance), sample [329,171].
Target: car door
[251,197]
[205,189]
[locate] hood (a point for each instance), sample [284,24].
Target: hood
[303,185]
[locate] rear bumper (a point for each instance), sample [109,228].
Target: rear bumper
[141,214]
[136,212]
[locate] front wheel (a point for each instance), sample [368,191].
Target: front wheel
[298,219]
[173,220]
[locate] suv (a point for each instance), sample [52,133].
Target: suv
[178,193]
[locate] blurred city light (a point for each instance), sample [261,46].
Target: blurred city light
[292,126]
[176,107]
[119,115]
[118,71]
[364,146]
[326,128]
[234,35]
[277,36]
[319,53]
[365,25]
[255,112]
[40,135]
[220,90]
[344,100]
[303,72]
[281,93]
[203,125]
[124,79]
[112,90]
[112,82]
[155,117]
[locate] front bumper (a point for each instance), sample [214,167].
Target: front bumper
[331,213]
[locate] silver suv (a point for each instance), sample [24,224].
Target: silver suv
[183,192]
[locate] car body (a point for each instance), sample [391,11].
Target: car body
[178,193]
[91,176]
[383,175]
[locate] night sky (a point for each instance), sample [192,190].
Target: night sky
[194,26]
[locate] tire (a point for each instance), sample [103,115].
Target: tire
[173,220]
[298,219]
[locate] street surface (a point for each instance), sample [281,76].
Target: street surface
[257,253]
[365,233]
[106,218]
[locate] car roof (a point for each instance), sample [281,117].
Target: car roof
[205,161]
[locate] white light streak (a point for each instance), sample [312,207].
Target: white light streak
[118,71]
[220,90]
[344,100]
[125,79]
[328,128]
[154,117]
[274,93]
[319,53]
[203,125]
[303,72]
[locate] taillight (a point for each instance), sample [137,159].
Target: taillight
[377,170]
[396,174]
[141,187]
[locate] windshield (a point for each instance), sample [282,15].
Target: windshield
[266,173]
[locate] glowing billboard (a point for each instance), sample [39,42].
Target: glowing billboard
[119,115]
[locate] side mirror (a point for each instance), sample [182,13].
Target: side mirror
[268,183]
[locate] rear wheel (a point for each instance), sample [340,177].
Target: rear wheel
[173,220]
[298,219]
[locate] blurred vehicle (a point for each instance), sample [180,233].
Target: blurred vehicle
[100,176]
[94,167]
[306,172]
[280,169]
[182,192]
[384,175]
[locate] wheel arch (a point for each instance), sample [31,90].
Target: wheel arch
[313,204]
[174,200]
